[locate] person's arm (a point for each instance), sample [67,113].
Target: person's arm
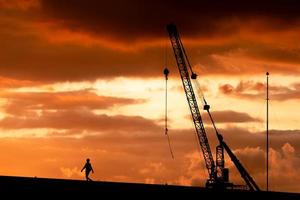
[92,169]
[83,167]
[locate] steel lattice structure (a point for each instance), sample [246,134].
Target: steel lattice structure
[182,63]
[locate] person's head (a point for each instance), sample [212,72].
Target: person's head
[88,160]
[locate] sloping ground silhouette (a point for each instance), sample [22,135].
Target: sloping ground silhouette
[29,188]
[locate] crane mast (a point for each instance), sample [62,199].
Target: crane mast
[182,63]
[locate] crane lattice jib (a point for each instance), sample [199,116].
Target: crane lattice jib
[191,98]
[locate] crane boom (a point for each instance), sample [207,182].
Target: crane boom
[182,62]
[218,174]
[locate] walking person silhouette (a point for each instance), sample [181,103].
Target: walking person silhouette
[88,168]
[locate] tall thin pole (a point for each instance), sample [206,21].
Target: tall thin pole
[267,146]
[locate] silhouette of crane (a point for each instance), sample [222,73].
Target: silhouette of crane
[218,174]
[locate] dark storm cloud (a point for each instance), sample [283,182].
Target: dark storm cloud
[86,40]
[135,19]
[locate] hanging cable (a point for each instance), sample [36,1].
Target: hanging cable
[206,106]
[199,91]
[166,73]
[166,54]
[194,75]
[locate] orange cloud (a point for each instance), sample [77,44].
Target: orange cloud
[234,137]
[6,83]
[21,103]
[48,44]
[228,116]
[19,4]
[257,90]
[63,157]
[283,166]
[80,120]
[114,157]
[73,173]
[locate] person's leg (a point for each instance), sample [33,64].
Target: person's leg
[88,178]
[87,175]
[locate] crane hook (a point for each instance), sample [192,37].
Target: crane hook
[166,73]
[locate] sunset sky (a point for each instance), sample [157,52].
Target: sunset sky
[83,79]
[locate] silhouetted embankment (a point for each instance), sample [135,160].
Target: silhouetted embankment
[30,188]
